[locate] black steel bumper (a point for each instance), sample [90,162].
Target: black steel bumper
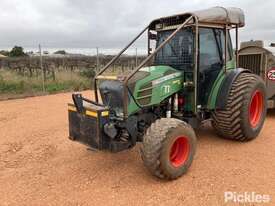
[86,125]
[87,120]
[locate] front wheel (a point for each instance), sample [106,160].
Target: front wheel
[168,148]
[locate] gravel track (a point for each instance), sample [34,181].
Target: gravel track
[40,166]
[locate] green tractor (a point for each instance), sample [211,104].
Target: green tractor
[190,77]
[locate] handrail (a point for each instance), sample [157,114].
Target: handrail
[196,57]
[113,60]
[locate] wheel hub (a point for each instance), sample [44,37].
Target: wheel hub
[179,151]
[256,108]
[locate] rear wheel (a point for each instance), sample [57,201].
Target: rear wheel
[168,148]
[245,110]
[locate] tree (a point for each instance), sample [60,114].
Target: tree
[60,52]
[5,53]
[17,51]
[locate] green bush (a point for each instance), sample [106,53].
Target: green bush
[69,85]
[88,73]
[53,88]
[12,87]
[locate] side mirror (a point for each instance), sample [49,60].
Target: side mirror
[152,36]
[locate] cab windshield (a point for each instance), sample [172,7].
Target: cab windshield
[178,52]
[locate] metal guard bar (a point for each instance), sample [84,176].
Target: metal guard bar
[125,104]
[113,60]
[125,88]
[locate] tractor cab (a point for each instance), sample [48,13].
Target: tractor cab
[179,54]
[195,46]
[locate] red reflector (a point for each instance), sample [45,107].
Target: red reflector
[180,101]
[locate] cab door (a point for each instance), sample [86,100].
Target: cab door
[210,61]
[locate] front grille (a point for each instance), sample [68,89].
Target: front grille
[251,62]
[144,97]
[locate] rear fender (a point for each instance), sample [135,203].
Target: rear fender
[226,86]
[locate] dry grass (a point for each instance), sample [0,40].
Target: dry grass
[13,83]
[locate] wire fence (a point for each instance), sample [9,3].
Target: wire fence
[34,65]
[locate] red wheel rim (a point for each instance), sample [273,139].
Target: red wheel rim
[179,151]
[256,108]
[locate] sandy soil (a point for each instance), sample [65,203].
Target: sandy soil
[40,166]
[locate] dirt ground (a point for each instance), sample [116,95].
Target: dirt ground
[40,166]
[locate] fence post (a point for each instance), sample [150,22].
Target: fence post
[136,58]
[97,59]
[41,66]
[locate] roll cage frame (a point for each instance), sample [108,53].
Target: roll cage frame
[190,20]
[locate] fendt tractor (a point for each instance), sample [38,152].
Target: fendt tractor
[189,77]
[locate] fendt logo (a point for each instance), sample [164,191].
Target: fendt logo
[271,74]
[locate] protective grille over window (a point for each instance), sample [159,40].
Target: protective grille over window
[173,21]
[178,52]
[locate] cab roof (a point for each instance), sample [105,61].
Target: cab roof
[214,15]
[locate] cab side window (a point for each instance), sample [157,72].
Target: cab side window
[229,55]
[208,52]
[210,62]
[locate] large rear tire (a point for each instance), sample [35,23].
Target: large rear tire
[168,148]
[245,111]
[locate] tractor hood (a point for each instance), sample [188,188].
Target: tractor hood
[152,76]
[151,85]
[158,74]
[148,87]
